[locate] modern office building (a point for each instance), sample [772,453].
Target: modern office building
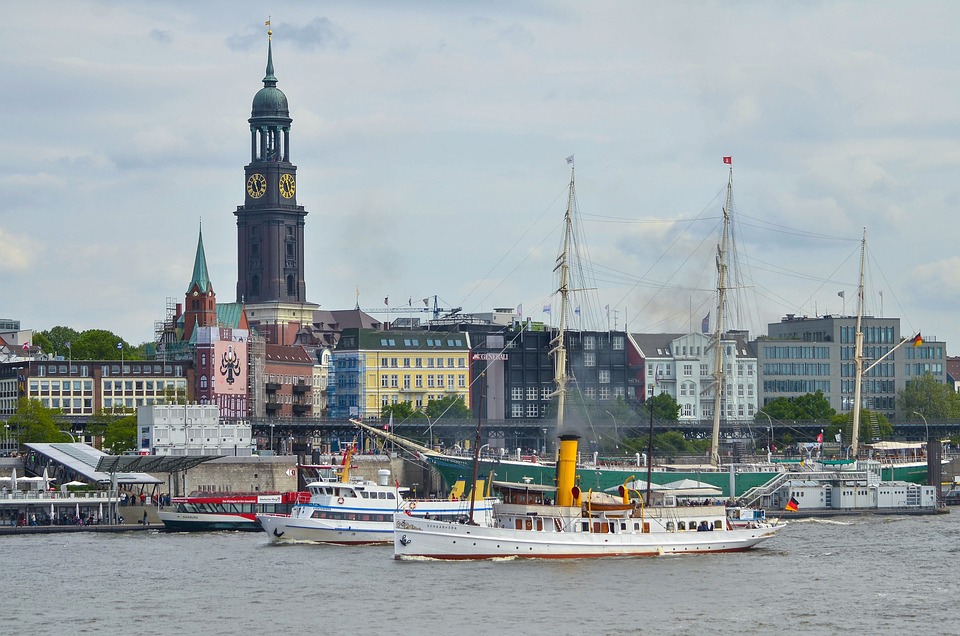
[803,355]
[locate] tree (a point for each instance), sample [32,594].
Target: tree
[811,406]
[401,411]
[450,406]
[121,434]
[56,339]
[33,423]
[664,406]
[99,344]
[873,425]
[927,396]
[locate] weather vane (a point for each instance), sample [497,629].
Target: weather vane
[269,30]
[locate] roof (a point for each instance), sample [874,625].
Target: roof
[294,354]
[200,277]
[84,460]
[230,315]
[370,339]
[158,463]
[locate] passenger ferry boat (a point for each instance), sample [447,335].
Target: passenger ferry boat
[347,511]
[226,511]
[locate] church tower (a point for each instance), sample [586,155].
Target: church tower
[200,301]
[270,224]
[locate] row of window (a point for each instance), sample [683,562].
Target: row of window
[392,381]
[421,363]
[83,371]
[797,352]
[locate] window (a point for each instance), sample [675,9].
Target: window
[419,381]
[589,343]
[516,410]
[531,393]
[384,381]
[688,370]
[604,393]
[617,343]
[533,410]
[589,359]
[604,376]
[516,393]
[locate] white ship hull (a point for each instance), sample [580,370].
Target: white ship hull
[312,522]
[441,540]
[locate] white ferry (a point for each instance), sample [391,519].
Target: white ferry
[349,511]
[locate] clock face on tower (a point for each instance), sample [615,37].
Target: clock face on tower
[256,185]
[288,186]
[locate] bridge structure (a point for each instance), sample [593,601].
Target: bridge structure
[304,434]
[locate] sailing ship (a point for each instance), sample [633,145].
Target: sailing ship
[533,521]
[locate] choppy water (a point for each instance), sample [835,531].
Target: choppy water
[869,575]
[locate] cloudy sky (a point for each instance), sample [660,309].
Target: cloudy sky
[431,137]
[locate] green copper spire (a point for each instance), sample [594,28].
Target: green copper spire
[200,277]
[269,79]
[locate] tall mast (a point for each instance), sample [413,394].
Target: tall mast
[718,349]
[559,350]
[858,353]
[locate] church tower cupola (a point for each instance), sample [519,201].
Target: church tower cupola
[270,224]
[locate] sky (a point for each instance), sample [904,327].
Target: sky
[431,141]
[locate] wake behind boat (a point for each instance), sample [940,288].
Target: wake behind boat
[348,511]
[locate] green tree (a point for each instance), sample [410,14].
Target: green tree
[57,339]
[33,423]
[401,411]
[450,406]
[927,396]
[665,407]
[811,406]
[872,425]
[99,344]
[120,435]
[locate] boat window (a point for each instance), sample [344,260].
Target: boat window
[717,524]
[519,524]
[539,524]
[646,527]
[681,525]
[390,495]
[315,514]
[364,494]
[670,526]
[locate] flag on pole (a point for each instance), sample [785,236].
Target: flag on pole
[546,309]
[119,345]
[570,159]
[705,324]
[793,505]
[386,300]
[577,310]
[520,310]
[841,294]
[728,160]
[917,340]
[410,301]
[607,308]
[819,438]
[67,344]
[26,345]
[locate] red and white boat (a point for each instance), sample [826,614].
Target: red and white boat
[227,510]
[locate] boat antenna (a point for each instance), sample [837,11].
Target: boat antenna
[718,351]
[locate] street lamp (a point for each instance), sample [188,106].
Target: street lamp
[924,424]
[765,414]
[616,431]
[271,438]
[429,429]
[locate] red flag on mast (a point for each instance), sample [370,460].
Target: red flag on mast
[728,160]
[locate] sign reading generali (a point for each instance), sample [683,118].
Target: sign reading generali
[489,356]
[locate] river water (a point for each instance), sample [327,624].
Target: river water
[865,574]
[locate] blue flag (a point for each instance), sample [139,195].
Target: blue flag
[119,345]
[705,324]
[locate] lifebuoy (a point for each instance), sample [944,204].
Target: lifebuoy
[339,500]
[413,505]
